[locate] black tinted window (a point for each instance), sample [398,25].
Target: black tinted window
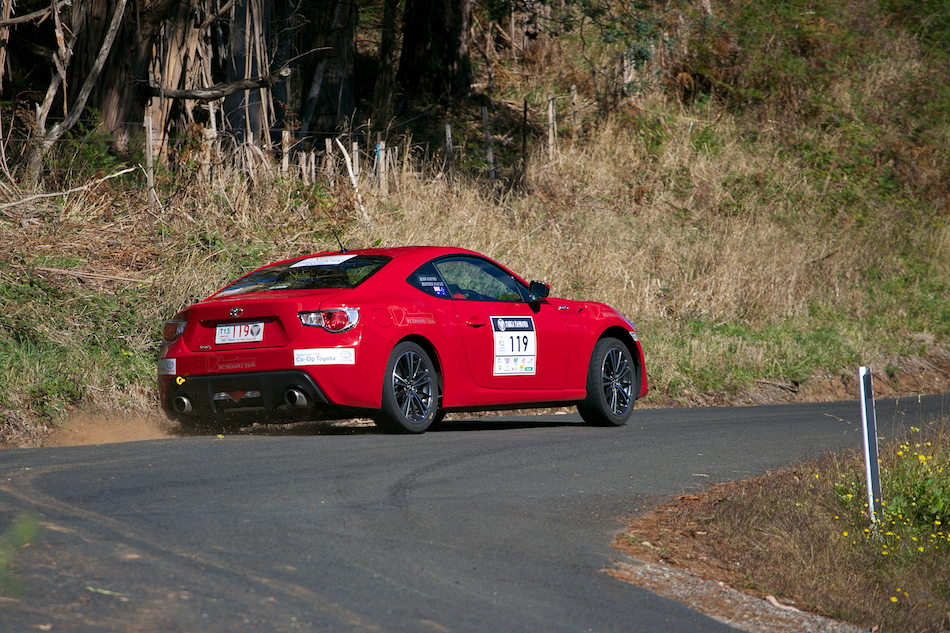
[428,280]
[311,273]
[478,280]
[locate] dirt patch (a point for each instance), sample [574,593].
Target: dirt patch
[667,561]
[85,429]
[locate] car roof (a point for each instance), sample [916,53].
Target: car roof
[405,255]
[405,259]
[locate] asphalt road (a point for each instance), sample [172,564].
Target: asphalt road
[488,525]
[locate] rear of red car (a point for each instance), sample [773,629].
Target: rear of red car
[260,345]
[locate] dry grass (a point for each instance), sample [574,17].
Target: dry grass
[743,244]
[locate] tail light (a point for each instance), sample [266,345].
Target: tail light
[172,329]
[333,320]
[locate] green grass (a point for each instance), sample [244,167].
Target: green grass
[19,534]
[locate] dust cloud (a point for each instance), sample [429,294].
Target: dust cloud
[87,429]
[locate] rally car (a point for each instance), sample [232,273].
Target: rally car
[399,335]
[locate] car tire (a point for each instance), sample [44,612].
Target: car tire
[410,401]
[612,385]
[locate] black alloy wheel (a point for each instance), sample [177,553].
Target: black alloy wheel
[612,388]
[410,391]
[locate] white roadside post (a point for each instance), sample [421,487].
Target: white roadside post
[872,467]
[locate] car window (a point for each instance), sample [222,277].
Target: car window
[428,280]
[478,280]
[311,273]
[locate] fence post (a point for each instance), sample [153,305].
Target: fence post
[150,173]
[872,468]
[449,156]
[382,162]
[394,167]
[249,157]
[552,130]
[215,140]
[574,109]
[285,152]
[490,157]
[329,161]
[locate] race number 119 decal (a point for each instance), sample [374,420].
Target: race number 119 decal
[516,346]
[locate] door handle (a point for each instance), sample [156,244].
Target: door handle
[475,322]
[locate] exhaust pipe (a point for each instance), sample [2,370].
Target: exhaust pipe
[182,404]
[296,398]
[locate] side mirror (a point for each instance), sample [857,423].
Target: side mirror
[538,290]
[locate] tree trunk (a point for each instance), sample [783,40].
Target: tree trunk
[331,92]
[386,71]
[182,60]
[46,139]
[435,57]
[115,94]
[281,92]
[248,112]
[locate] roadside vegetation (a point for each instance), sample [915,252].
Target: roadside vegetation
[765,193]
[803,534]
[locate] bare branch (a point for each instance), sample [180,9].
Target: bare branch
[218,90]
[36,15]
[79,273]
[57,194]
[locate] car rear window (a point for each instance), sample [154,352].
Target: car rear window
[320,272]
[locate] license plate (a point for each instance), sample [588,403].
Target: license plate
[239,333]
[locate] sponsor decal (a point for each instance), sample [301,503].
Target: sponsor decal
[402,317]
[515,346]
[214,362]
[167,366]
[325,356]
[327,260]
[429,281]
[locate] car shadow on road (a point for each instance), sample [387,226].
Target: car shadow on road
[367,427]
[501,423]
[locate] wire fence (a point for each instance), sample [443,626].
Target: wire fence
[380,157]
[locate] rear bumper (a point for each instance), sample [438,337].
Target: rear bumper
[290,394]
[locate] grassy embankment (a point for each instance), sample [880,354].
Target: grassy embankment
[767,203]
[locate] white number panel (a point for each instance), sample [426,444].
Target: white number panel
[241,333]
[516,346]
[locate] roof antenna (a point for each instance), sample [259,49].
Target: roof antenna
[338,241]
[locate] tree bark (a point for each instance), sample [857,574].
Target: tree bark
[115,94]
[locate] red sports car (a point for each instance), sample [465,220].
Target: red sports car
[402,335]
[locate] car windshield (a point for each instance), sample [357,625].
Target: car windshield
[320,272]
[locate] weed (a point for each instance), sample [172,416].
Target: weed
[21,533]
